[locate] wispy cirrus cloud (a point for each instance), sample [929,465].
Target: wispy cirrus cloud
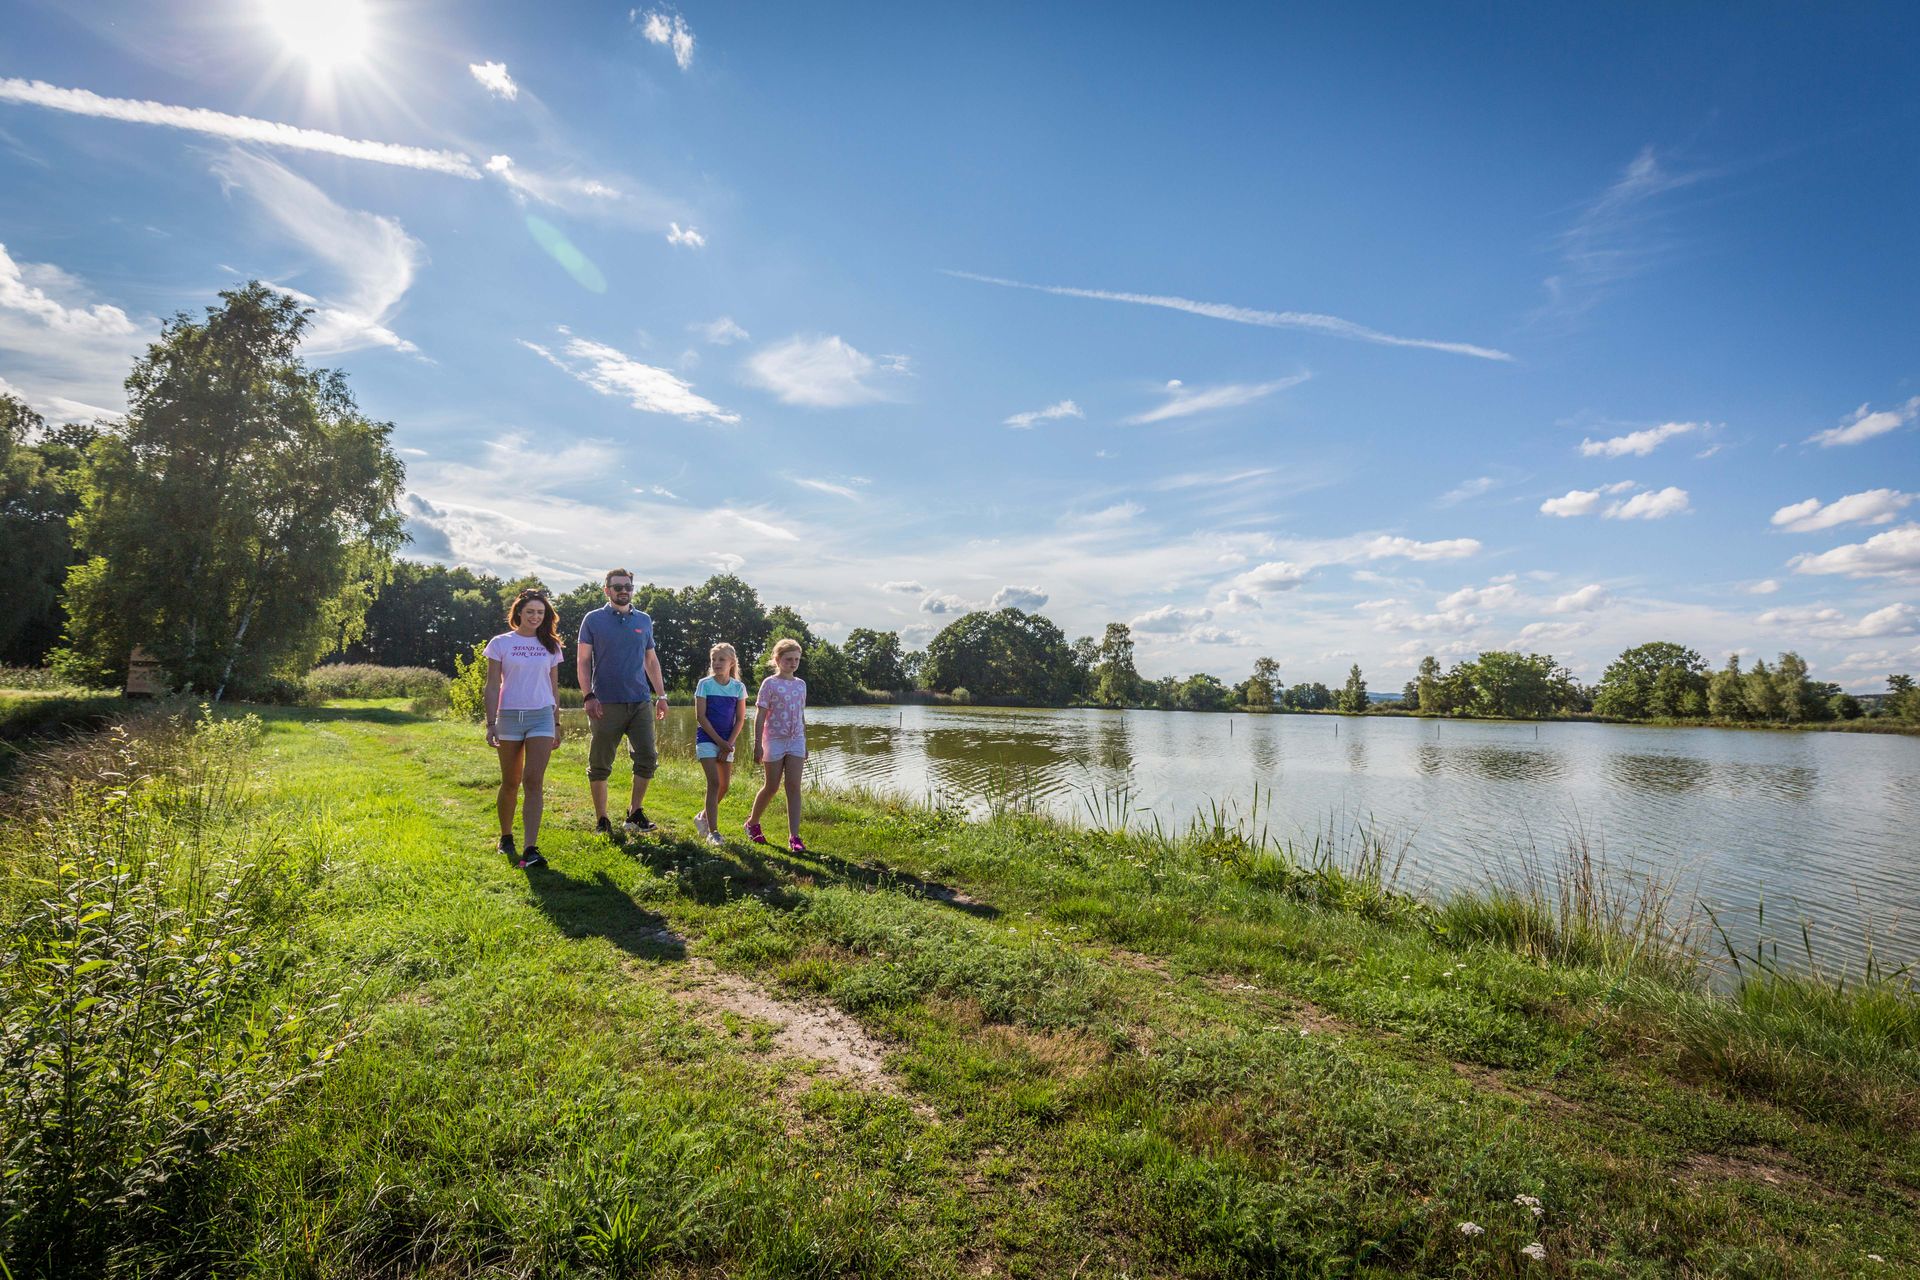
[847,491]
[1466,491]
[1873,506]
[372,257]
[1615,237]
[494,79]
[646,387]
[1864,424]
[235,128]
[819,372]
[1333,326]
[688,237]
[1638,444]
[1183,401]
[1053,412]
[722,332]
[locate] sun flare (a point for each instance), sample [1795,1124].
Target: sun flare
[326,34]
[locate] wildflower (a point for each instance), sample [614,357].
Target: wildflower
[1530,1203]
[1472,1229]
[1536,1251]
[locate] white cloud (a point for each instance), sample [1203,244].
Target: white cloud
[820,373]
[18,293]
[1613,238]
[1898,619]
[1467,489]
[1895,553]
[943,603]
[826,486]
[1587,598]
[1874,506]
[902,587]
[1384,547]
[1012,597]
[372,255]
[722,332]
[690,237]
[1653,504]
[1551,632]
[1212,635]
[1059,409]
[494,79]
[1863,425]
[668,29]
[1250,588]
[1331,325]
[1576,502]
[645,387]
[1764,587]
[1117,514]
[1491,597]
[478,538]
[753,524]
[558,191]
[1637,443]
[1183,401]
[1442,622]
[238,128]
[1169,619]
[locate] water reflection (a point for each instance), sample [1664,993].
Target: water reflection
[1824,821]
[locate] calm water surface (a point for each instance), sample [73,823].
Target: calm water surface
[1820,826]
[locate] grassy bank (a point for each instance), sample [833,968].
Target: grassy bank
[934,1048]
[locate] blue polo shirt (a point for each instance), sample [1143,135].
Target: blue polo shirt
[620,643]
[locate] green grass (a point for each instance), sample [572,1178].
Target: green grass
[1145,1054]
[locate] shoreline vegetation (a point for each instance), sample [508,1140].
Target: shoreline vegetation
[272,1006]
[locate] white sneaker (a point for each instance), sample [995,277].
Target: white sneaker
[713,837]
[700,823]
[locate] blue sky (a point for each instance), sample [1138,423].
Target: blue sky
[1340,336]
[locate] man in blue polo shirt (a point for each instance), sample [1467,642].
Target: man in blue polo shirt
[618,667]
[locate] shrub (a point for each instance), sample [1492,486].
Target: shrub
[30,678]
[467,693]
[151,1013]
[368,680]
[962,695]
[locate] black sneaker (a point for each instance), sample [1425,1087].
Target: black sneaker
[603,827]
[507,847]
[639,821]
[531,858]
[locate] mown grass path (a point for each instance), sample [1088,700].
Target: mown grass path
[939,1049]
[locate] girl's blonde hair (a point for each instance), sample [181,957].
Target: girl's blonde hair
[719,653]
[785,644]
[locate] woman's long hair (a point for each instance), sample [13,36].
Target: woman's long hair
[548,632]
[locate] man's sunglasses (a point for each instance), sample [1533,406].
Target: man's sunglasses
[621,586]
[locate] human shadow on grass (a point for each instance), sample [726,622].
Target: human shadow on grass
[329,715]
[599,908]
[710,874]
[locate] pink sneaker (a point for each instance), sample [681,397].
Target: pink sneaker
[796,845]
[754,833]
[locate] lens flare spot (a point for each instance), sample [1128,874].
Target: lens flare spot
[562,251]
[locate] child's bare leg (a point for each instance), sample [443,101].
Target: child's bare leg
[767,788]
[715,788]
[726,777]
[796,767]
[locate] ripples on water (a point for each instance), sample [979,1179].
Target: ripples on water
[1818,825]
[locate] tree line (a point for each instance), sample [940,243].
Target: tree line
[241,523]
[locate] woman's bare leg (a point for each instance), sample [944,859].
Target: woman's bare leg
[510,754]
[534,779]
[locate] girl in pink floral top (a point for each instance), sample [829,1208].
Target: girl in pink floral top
[780,740]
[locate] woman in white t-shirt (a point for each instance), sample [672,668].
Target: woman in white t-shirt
[522,701]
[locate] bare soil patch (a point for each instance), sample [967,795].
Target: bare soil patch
[802,1029]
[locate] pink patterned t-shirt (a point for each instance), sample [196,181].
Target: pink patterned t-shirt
[783,701]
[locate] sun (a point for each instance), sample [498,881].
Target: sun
[326,34]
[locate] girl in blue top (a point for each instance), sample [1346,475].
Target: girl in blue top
[718,710]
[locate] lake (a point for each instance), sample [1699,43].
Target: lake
[1819,826]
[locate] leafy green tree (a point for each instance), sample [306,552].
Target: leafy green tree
[38,468]
[1264,685]
[1116,682]
[721,608]
[1799,700]
[1309,697]
[1843,706]
[1353,696]
[1202,692]
[1086,656]
[1903,698]
[875,659]
[1163,693]
[240,520]
[1410,695]
[1431,695]
[1006,654]
[428,615]
[1513,685]
[1632,687]
[1762,691]
[1727,692]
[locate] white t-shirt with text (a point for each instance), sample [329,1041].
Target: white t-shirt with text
[524,664]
